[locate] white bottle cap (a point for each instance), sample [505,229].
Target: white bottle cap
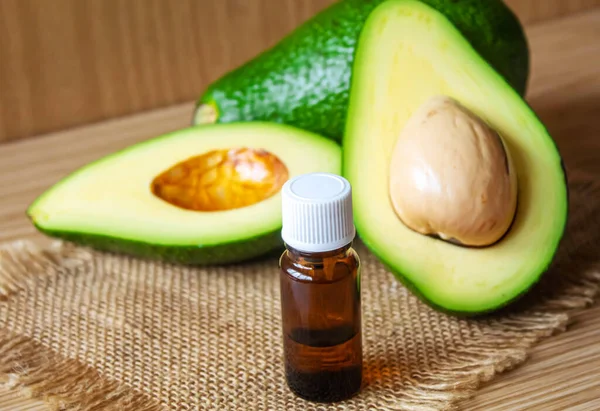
[317,212]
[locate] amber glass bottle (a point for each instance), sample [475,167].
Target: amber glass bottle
[320,290]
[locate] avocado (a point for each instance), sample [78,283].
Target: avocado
[304,79]
[200,195]
[458,187]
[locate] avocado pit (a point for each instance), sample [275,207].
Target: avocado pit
[221,180]
[451,176]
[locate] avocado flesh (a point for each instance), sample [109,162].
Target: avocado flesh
[304,79]
[407,53]
[109,204]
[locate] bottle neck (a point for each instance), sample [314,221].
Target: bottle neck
[296,254]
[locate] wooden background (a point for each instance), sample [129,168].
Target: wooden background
[68,62]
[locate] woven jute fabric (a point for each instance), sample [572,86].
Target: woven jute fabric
[92,331]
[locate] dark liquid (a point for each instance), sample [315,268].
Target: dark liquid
[328,371]
[320,301]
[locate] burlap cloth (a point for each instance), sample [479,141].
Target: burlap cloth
[91,331]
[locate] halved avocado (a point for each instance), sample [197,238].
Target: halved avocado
[303,80]
[411,57]
[201,195]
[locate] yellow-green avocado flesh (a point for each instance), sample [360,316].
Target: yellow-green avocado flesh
[109,204]
[407,53]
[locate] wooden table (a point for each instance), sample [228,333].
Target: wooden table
[562,372]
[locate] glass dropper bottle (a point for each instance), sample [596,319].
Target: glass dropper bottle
[320,289]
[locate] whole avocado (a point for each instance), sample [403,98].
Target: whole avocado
[304,79]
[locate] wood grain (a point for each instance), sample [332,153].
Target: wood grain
[533,11]
[565,91]
[70,62]
[65,63]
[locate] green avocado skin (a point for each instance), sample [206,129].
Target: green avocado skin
[227,253]
[304,79]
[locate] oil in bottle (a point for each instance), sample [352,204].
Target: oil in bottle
[320,289]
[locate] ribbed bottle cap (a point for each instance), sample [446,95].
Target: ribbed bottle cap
[317,212]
